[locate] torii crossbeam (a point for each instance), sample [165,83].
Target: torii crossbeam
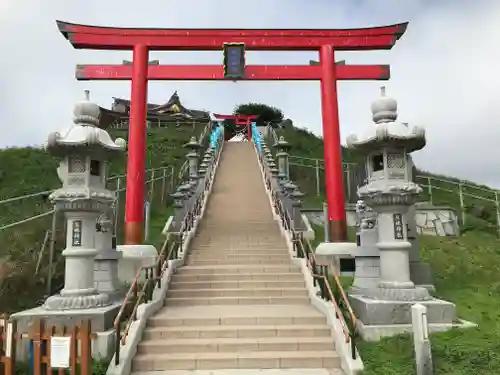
[216,72]
[239,120]
[141,41]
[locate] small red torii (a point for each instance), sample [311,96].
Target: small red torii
[239,120]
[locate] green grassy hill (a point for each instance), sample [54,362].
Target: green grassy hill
[477,206]
[465,269]
[31,170]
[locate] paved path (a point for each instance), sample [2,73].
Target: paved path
[240,302]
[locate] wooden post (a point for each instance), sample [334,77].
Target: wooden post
[35,335]
[84,332]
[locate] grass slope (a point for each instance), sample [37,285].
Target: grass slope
[30,170]
[466,272]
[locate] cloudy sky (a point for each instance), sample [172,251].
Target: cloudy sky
[445,70]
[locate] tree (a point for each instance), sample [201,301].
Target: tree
[267,114]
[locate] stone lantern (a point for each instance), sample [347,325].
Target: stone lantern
[85,150]
[282,148]
[193,147]
[390,193]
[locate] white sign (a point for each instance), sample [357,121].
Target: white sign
[59,351]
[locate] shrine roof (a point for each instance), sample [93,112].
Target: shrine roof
[172,109]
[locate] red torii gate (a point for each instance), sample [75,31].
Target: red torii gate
[239,120]
[142,40]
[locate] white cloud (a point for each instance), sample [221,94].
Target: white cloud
[444,70]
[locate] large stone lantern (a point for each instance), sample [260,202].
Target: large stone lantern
[390,193]
[389,190]
[85,150]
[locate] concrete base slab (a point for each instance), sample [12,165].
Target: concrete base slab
[101,319]
[382,312]
[298,371]
[133,258]
[332,252]
[377,332]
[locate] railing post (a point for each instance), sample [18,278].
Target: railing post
[172,178]
[429,190]
[163,186]
[147,219]
[462,205]
[117,203]
[51,251]
[152,186]
[318,191]
[497,206]
[325,221]
[348,182]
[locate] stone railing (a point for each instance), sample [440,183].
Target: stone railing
[148,289]
[326,290]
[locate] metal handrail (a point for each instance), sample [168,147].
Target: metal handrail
[33,195]
[303,249]
[48,213]
[153,274]
[463,183]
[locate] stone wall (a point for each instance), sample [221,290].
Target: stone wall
[431,220]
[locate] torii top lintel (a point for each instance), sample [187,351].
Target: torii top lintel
[118,38]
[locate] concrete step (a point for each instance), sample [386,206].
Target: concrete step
[230,250]
[236,251]
[244,284]
[210,240]
[197,301]
[242,261]
[238,292]
[239,277]
[284,371]
[166,321]
[232,269]
[236,345]
[232,360]
[236,331]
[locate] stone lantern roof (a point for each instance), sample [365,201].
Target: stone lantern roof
[84,136]
[387,132]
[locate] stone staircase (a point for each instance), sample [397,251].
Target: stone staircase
[239,303]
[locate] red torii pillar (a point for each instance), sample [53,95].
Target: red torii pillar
[239,120]
[326,41]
